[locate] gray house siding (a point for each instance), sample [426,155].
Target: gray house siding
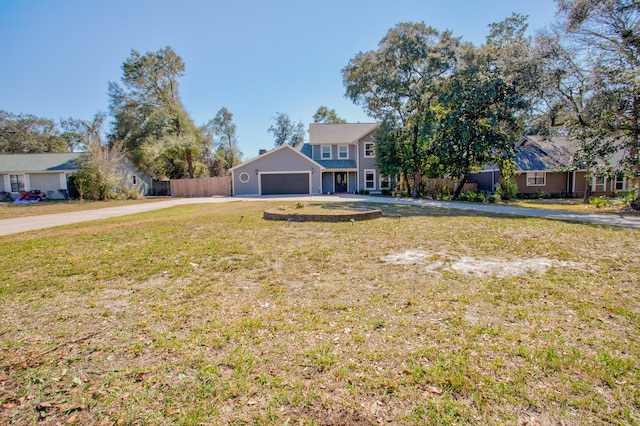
[327,182]
[134,178]
[49,183]
[487,180]
[353,181]
[247,177]
[367,163]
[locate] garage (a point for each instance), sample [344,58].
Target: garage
[284,183]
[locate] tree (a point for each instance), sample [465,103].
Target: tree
[222,132]
[150,118]
[286,132]
[327,116]
[611,30]
[98,176]
[573,102]
[26,133]
[398,84]
[475,103]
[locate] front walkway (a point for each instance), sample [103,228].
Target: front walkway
[32,223]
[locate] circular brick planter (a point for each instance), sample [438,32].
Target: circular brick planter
[331,216]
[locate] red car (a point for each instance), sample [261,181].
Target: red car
[33,195]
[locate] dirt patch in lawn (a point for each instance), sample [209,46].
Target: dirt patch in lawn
[479,267]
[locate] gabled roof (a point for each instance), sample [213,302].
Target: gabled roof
[541,153]
[544,153]
[278,149]
[339,133]
[34,163]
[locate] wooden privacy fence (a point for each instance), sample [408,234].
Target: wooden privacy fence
[431,185]
[205,187]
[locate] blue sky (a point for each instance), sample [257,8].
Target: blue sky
[255,58]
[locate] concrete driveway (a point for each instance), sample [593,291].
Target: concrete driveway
[32,223]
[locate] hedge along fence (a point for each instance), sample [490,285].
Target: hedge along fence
[205,187]
[431,185]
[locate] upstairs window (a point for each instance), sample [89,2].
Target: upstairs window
[369,149]
[326,152]
[343,152]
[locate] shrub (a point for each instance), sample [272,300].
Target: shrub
[628,197]
[471,196]
[600,201]
[299,205]
[507,189]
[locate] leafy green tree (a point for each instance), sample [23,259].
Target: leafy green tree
[150,118]
[222,132]
[484,103]
[26,133]
[328,116]
[286,131]
[398,84]
[610,29]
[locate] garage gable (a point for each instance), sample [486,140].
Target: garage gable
[283,170]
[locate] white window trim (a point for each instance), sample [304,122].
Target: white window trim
[244,177]
[615,180]
[596,186]
[372,171]
[372,149]
[534,175]
[322,147]
[346,149]
[25,183]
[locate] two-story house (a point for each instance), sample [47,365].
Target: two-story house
[339,158]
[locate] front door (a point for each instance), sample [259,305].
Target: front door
[341,182]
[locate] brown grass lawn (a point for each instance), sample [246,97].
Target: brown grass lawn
[9,210]
[208,314]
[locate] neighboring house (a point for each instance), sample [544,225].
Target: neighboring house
[50,172]
[545,164]
[339,158]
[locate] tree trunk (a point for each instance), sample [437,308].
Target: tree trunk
[458,190]
[634,150]
[417,179]
[587,186]
[406,186]
[189,158]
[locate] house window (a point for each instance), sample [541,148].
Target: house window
[369,149]
[599,183]
[134,179]
[343,152]
[385,182]
[536,178]
[17,183]
[244,177]
[326,152]
[618,183]
[369,179]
